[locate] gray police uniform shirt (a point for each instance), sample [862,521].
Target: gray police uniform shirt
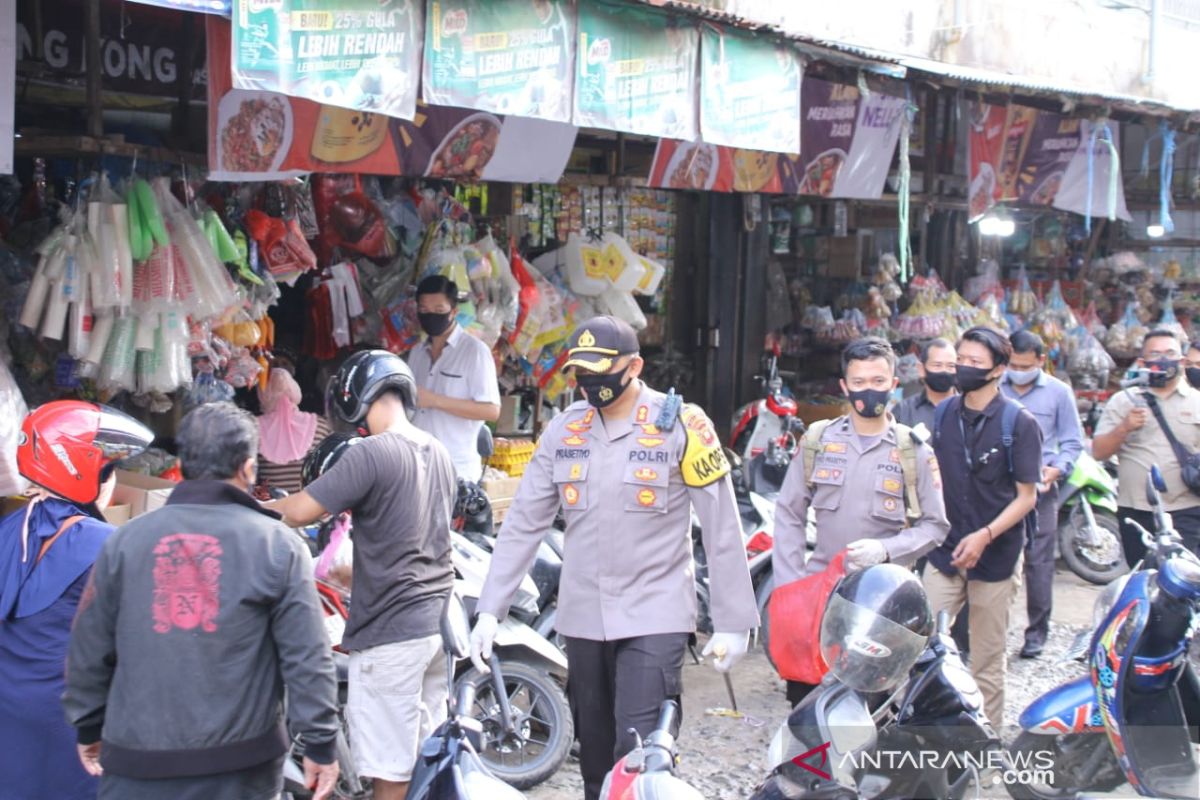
[627,565]
[856,494]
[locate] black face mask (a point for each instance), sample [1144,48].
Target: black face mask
[869,402]
[1162,371]
[940,382]
[968,379]
[602,390]
[435,324]
[1193,377]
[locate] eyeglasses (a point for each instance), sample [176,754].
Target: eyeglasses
[878,382]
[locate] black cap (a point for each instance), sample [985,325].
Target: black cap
[599,342]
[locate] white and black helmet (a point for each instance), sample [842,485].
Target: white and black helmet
[364,377]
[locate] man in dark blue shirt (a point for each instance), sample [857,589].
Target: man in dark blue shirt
[992,487]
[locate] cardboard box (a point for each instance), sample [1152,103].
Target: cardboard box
[118,514]
[500,489]
[141,492]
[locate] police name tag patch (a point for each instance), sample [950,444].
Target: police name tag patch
[703,459]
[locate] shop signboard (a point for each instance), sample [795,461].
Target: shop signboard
[749,92]
[501,56]
[636,71]
[363,55]
[258,135]
[846,142]
[1053,142]
[141,54]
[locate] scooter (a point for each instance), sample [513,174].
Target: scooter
[1134,717]
[648,771]
[771,419]
[1089,535]
[931,728]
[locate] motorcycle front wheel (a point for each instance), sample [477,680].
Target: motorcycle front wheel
[1069,753]
[543,722]
[1100,562]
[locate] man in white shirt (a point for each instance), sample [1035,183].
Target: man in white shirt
[456,378]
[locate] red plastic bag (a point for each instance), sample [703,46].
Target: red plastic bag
[795,613]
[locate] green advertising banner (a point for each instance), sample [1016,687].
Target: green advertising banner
[503,56]
[749,92]
[358,54]
[636,72]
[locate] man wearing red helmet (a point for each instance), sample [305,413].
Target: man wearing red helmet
[68,449]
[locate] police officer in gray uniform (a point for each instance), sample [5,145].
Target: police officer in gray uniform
[627,465]
[873,483]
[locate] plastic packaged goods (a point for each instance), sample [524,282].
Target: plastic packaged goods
[652,276]
[621,305]
[101,331]
[625,268]
[118,367]
[12,413]
[1124,338]
[80,323]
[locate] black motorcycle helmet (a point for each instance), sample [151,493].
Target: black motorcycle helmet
[366,375]
[322,457]
[876,624]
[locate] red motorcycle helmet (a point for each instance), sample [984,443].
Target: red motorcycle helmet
[66,446]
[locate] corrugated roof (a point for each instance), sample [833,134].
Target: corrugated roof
[897,66]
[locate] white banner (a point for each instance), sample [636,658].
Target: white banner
[870,157]
[1072,194]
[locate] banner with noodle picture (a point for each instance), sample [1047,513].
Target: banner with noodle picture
[847,143]
[749,92]
[261,136]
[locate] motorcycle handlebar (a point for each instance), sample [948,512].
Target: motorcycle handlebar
[667,714]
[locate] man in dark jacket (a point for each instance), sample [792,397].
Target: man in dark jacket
[198,616]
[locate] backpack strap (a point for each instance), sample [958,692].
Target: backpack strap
[907,439]
[939,414]
[1008,423]
[68,523]
[811,442]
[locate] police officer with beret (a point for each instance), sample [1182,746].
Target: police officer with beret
[626,465]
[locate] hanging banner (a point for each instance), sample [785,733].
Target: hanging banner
[1053,142]
[502,56]
[749,92]
[363,55]
[636,72]
[8,83]
[847,145]
[261,136]
[1073,192]
[985,145]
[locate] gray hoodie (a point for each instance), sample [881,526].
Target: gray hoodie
[197,618]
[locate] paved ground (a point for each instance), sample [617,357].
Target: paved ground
[726,758]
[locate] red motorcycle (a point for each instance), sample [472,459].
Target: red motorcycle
[771,419]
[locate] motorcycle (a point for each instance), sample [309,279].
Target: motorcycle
[648,771]
[449,766]
[859,735]
[1089,535]
[528,728]
[771,419]
[1134,717]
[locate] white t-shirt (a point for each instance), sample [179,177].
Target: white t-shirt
[464,371]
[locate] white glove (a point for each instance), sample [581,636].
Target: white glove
[728,649]
[865,553]
[482,637]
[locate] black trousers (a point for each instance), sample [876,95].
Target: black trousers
[1039,569]
[797,691]
[1187,523]
[615,686]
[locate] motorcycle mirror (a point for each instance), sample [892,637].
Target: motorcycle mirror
[456,633]
[1156,479]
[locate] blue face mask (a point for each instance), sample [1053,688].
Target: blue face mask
[1023,377]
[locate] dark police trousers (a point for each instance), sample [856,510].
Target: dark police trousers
[1039,569]
[618,685]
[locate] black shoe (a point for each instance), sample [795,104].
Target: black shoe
[1031,650]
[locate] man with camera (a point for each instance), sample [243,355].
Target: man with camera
[1139,425]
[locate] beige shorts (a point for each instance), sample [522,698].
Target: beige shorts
[397,697]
